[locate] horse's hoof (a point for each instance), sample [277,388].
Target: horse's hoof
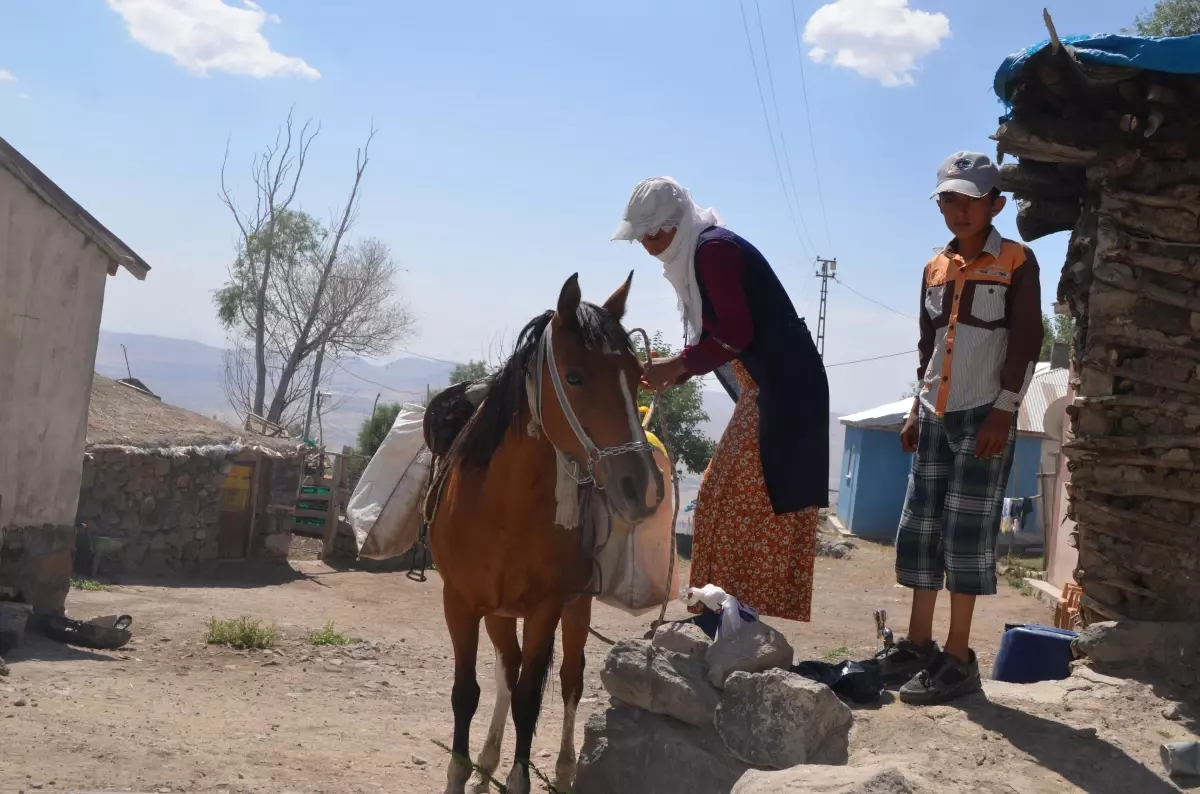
[479,784]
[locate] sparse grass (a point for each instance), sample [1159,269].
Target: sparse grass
[88,584]
[242,633]
[1017,571]
[837,654]
[328,635]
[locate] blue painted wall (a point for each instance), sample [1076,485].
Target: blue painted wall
[874,479]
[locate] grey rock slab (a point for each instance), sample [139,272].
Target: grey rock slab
[629,750]
[881,779]
[778,720]
[660,681]
[685,638]
[754,649]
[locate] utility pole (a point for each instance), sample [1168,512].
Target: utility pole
[827,271]
[312,392]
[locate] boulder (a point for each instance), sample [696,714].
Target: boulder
[685,638]
[625,749]
[660,681]
[778,720]
[754,649]
[827,780]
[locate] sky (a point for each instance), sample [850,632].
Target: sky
[510,136]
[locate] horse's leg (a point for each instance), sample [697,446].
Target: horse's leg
[503,634]
[576,619]
[527,695]
[463,624]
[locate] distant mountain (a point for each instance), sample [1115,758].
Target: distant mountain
[188,374]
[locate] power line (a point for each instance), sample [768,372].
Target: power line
[872,300]
[771,135]
[340,366]
[865,360]
[812,143]
[779,124]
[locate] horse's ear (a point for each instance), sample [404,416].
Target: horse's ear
[615,305]
[568,302]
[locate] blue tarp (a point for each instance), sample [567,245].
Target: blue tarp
[1179,55]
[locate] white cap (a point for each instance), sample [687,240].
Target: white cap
[656,203]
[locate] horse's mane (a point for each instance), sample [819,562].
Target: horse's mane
[507,401]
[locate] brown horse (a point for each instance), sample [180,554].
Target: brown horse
[559,418]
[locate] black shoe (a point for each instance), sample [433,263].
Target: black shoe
[903,660]
[945,680]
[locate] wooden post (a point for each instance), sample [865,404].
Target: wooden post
[335,504]
[254,504]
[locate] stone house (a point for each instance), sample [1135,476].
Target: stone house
[55,259]
[165,489]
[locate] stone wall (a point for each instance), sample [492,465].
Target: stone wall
[35,565]
[166,507]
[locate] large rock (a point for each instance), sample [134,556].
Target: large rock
[754,649]
[660,681]
[779,720]
[685,638]
[827,780]
[627,750]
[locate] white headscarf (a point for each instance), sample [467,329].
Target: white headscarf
[662,203]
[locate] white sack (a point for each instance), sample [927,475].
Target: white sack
[385,508]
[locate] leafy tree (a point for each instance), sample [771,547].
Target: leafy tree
[370,436]
[683,409]
[1057,329]
[1169,18]
[469,372]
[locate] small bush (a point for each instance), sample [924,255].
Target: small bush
[328,635]
[837,654]
[242,633]
[88,584]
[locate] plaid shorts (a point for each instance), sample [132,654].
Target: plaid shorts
[953,507]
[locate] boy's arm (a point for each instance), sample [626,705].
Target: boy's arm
[1024,334]
[925,342]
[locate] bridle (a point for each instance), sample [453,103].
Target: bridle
[581,475]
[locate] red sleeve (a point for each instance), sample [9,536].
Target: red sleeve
[729,330]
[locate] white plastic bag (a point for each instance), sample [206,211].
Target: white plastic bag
[385,508]
[632,565]
[734,614]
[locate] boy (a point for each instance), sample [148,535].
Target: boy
[981,334]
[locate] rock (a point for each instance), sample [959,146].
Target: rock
[625,749]
[19,702]
[660,681]
[757,647]
[827,780]
[685,638]
[779,720]
[3,668]
[277,545]
[1173,711]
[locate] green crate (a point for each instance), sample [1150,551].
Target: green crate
[313,489]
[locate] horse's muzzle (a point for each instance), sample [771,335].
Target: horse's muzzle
[635,485]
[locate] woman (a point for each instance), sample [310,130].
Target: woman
[756,515]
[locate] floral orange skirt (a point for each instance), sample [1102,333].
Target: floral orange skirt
[739,543]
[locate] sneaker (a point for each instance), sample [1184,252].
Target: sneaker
[904,660]
[945,680]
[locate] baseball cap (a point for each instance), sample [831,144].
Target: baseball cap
[969,173]
[656,203]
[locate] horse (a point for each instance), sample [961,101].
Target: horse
[559,418]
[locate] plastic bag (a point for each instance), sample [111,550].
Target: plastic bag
[631,565]
[734,614]
[385,508]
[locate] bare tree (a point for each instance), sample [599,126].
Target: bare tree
[299,290]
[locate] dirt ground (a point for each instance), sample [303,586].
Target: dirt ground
[170,713]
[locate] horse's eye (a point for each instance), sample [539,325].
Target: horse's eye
[574,379]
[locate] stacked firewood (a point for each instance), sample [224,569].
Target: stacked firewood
[1113,155]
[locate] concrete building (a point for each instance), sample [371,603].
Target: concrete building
[54,261]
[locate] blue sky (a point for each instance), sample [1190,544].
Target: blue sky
[510,136]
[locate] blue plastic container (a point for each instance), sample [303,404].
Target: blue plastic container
[1030,653]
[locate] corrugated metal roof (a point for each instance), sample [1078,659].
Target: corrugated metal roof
[1046,386]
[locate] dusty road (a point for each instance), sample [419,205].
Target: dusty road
[170,713]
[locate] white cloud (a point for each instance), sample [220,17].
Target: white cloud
[209,35]
[879,39]
[7,76]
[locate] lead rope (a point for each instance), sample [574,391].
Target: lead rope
[665,437]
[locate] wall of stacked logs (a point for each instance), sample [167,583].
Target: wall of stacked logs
[1113,156]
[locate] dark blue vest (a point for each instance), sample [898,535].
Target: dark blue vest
[793,393]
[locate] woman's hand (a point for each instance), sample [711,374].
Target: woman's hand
[662,373]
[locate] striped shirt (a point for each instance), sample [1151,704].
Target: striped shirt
[981,327]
